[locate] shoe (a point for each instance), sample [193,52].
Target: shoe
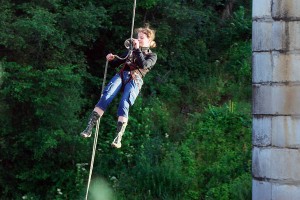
[91,123]
[120,131]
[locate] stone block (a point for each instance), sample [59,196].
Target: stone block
[261,104]
[280,35]
[294,34]
[261,9]
[276,164]
[261,131]
[286,67]
[286,132]
[285,192]
[285,9]
[276,99]
[275,67]
[261,36]
[262,67]
[261,163]
[261,190]
[276,35]
[286,35]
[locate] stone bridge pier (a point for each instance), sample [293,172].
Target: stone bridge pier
[276,100]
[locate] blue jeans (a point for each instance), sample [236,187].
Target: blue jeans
[130,93]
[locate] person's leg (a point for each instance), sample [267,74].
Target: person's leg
[108,95]
[130,93]
[121,126]
[99,111]
[91,123]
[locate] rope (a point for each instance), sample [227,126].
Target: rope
[98,122]
[133,17]
[131,34]
[96,136]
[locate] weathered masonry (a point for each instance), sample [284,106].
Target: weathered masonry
[276,100]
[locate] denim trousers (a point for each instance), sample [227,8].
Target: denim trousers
[130,92]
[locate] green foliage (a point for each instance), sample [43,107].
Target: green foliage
[182,142]
[40,120]
[51,33]
[224,151]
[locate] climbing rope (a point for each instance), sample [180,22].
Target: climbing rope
[133,17]
[128,42]
[96,136]
[103,85]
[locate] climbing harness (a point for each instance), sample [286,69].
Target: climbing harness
[128,44]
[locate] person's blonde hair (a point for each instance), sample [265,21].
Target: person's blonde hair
[150,33]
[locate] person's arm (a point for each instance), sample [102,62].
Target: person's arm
[115,62]
[144,61]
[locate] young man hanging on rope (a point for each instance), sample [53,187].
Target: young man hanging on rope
[129,80]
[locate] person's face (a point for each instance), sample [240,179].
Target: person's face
[143,40]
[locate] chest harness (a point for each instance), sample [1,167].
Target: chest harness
[133,69]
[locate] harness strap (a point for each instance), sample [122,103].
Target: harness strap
[121,73]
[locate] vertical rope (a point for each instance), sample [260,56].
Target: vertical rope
[96,137]
[133,17]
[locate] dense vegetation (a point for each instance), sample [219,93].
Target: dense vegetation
[189,133]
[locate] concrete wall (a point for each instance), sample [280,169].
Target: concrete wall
[276,100]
